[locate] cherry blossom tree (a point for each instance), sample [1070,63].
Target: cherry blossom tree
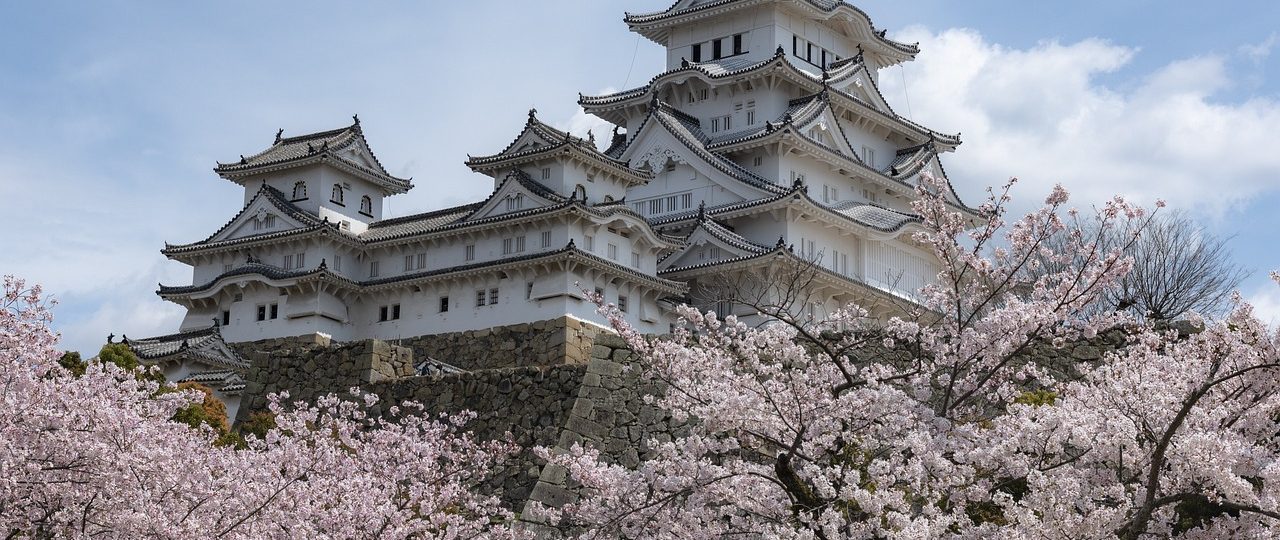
[940,422]
[99,456]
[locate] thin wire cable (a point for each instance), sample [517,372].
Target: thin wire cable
[634,51]
[902,69]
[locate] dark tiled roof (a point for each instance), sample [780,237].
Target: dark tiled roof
[866,215]
[723,234]
[324,144]
[264,270]
[278,200]
[779,59]
[205,345]
[417,223]
[552,140]
[686,129]
[875,216]
[322,272]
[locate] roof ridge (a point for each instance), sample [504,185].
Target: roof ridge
[423,215]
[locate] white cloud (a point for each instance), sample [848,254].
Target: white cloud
[1266,303]
[1045,115]
[581,124]
[1257,52]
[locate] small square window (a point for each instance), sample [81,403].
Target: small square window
[480,298]
[493,296]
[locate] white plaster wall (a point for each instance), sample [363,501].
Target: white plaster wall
[757,42]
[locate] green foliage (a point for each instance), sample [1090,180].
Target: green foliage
[210,412]
[1197,511]
[258,424]
[71,361]
[121,355]
[1037,398]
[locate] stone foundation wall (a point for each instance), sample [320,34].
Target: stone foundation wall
[543,343]
[526,405]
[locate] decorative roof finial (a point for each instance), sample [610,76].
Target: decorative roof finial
[571,244]
[111,338]
[781,242]
[791,248]
[684,62]
[780,51]
[243,160]
[532,112]
[356,119]
[798,183]
[279,134]
[591,137]
[324,145]
[654,102]
[124,338]
[702,210]
[216,322]
[323,265]
[183,345]
[310,149]
[615,130]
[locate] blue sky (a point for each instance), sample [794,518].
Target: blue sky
[113,113]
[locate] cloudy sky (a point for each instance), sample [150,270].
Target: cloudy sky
[113,113]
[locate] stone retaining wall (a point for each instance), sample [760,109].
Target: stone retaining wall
[543,343]
[525,405]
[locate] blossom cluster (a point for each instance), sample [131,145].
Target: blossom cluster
[939,423]
[99,456]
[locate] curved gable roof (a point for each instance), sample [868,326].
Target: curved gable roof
[335,145]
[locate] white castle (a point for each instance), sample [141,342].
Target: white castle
[766,142]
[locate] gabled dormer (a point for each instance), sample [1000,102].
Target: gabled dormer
[331,174]
[516,193]
[566,165]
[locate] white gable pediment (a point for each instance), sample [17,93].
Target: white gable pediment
[862,87]
[826,129]
[260,216]
[359,154]
[703,248]
[511,196]
[530,140]
[655,147]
